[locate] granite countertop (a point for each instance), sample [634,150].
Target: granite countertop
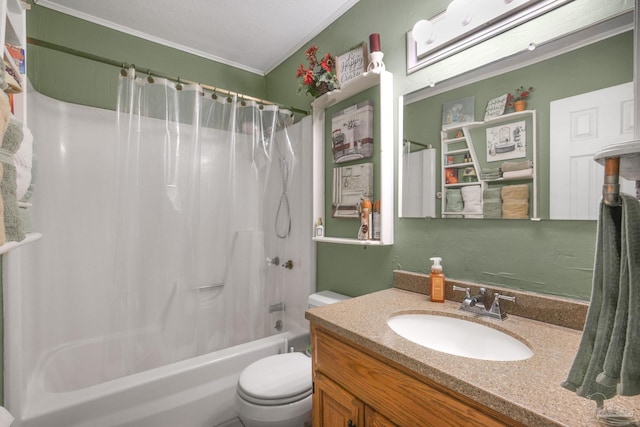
[528,391]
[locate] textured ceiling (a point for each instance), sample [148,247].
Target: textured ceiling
[254,35]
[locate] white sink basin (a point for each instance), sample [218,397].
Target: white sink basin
[459,337]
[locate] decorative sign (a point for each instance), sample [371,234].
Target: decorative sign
[495,107]
[351,64]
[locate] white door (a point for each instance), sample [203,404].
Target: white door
[580,126]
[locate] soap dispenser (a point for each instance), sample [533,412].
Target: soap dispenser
[437,280]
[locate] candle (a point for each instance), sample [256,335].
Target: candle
[374,42]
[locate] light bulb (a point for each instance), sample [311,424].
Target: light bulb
[460,11]
[423,32]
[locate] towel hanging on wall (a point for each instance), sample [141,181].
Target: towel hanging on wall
[608,358]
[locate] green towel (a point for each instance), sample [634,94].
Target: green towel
[12,138]
[608,358]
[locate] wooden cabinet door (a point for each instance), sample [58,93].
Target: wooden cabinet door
[333,406]
[374,419]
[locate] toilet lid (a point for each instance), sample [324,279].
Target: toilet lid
[276,380]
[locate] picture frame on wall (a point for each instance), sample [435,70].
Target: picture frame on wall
[506,141]
[352,132]
[351,184]
[352,63]
[458,112]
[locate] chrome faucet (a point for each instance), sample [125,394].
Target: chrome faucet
[476,304]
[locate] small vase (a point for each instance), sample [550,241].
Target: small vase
[322,88]
[520,105]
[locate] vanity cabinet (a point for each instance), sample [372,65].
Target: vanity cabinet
[384,81]
[356,387]
[338,407]
[462,165]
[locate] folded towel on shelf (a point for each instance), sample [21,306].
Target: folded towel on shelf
[23,161]
[492,202]
[492,194]
[13,230]
[523,173]
[516,166]
[608,357]
[492,209]
[515,192]
[472,198]
[454,202]
[5,112]
[493,173]
[515,209]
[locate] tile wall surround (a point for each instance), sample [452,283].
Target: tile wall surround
[550,309]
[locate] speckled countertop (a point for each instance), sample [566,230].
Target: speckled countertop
[528,391]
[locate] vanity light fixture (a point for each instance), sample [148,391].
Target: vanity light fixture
[466,23]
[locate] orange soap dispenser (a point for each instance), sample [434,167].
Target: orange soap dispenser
[437,280]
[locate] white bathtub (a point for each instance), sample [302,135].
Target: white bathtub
[191,393]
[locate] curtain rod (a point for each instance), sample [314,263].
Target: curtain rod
[120,64]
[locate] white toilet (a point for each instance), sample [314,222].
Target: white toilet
[276,391]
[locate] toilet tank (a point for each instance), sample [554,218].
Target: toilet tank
[325,298]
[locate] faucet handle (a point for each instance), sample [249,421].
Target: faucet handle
[495,307]
[460,288]
[497,297]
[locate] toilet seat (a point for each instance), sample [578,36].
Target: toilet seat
[276,380]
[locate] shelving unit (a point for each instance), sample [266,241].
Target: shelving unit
[13,30]
[456,142]
[365,81]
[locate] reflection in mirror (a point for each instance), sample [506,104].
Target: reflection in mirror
[581,84]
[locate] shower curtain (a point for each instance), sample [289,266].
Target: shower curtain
[190,272]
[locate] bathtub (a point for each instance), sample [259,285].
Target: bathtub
[191,393]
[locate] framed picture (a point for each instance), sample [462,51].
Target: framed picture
[458,113]
[352,132]
[351,64]
[495,107]
[507,141]
[351,184]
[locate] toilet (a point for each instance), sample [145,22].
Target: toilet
[276,391]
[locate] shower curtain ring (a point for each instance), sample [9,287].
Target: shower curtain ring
[179,85]
[213,94]
[149,78]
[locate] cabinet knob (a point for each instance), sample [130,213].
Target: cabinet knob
[351,424]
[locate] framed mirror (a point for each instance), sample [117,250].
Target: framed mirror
[582,98]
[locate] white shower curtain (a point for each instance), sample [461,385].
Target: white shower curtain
[190,264]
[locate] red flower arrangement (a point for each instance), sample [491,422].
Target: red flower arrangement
[320,76]
[520,94]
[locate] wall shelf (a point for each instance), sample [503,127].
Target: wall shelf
[462,145]
[31,237]
[384,80]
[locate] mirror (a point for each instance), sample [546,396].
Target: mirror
[573,77]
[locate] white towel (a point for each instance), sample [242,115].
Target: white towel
[472,197]
[524,173]
[5,417]
[23,160]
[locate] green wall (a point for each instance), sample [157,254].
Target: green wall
[77,80]
[593,67]
[552,257]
